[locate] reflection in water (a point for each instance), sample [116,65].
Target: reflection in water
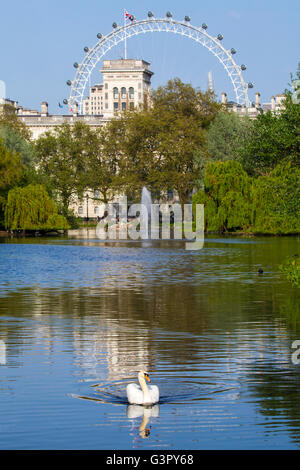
[146,412]
[82,320]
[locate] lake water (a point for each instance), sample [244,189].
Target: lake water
[79,318]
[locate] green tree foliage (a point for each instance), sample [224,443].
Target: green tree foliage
[102,166]
[9,119]
[11,173]
[227,135]
[136,138]
[183,114]
[226,197]
[291,268]
[16,143]
[63,157]
[159,144]
[275,140]
[276,201]
[31,208]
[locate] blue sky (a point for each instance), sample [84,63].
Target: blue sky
[40,40]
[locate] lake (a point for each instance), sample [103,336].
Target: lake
[79,318]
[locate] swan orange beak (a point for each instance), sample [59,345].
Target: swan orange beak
[147,378]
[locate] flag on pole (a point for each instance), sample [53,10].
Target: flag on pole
[60,105]
[128,16]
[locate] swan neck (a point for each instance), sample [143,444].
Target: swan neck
[143,385]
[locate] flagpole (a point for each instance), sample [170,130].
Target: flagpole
[125,42]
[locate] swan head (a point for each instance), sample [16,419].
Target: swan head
[143,375]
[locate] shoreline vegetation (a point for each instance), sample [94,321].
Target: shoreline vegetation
[245,172]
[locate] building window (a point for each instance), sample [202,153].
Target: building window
[140,86]
[106,96]
[116,106]
[96,210]
[96,194]
[170,194]
[131,105]
[123,92]
[80,210]
[140,96]
[106,86]
[123,106]
[106,105]
[131,93]
[116,93]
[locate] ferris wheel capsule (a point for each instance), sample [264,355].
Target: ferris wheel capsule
[68,82]
[204,26]
[187,18]
[75,65]
[65,101]
[233,51]
[86,49]
[243,67]
[220,37]
[114,25]
[169,14]
[99,35]
[250,85]
[150,14]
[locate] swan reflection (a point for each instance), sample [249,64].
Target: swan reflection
[146,412]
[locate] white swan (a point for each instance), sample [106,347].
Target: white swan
[143,395]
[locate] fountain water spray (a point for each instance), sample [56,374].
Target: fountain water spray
[145,216]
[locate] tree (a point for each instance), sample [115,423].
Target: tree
[103,160]
[134,138]
[226,197]
[9,118]
[275,140]
[11,173]
[183,114]
[16,143]
[227,136]
[276,201]
[63,156]
[159,144]
[31,208]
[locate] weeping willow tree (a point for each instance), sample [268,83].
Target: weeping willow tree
[276,201]
[31,208]
[11,173]
[226,197]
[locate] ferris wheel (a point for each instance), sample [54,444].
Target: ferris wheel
[150,25]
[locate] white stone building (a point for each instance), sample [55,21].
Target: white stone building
[126,85]
[252,111]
